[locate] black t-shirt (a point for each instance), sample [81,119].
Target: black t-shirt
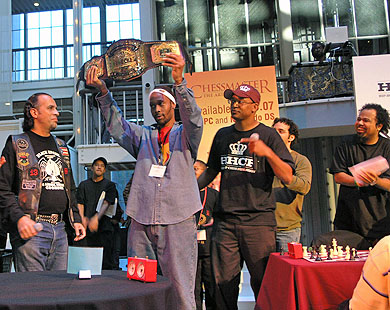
[246,180]
[210,204]
[363,210]
[88,194]
[53,196]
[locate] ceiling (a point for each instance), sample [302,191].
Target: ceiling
[26,6]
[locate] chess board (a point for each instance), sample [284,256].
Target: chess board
[362,257]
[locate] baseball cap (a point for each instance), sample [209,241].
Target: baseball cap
[243,91]
[102,159]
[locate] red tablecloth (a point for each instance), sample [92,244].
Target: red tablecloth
[298,284]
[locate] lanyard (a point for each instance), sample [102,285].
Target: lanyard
[161,145]
[203,204]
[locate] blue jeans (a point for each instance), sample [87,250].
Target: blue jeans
[48,250]
[175,247]
[284,237]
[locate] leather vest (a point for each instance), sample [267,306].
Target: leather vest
[30,181]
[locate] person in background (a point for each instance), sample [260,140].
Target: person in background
[289,197]
[92,192]
[362,213]
[204,277]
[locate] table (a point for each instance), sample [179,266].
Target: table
[59,290]
[298,284]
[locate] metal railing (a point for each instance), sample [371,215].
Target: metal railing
[129,100]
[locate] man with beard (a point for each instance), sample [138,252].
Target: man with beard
[363,206]
[37,190]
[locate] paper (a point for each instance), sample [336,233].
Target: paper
[83,258]
[377,164]
[111,210]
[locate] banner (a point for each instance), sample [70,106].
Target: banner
[209,87]
[372,80]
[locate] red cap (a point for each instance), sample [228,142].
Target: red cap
[244,91]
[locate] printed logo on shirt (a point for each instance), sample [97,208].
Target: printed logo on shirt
[50,165]
[238,148]
[236,160]
[22,144]
[23,158]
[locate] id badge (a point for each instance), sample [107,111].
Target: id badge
[157,171]
[201,235]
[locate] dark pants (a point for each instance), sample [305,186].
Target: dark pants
[232,245]
[100,239]
[204,277]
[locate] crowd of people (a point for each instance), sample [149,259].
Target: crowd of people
[199,236]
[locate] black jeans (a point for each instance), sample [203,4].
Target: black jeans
[204,277]
[232,244]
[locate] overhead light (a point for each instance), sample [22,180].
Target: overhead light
[7,103]
[36,3]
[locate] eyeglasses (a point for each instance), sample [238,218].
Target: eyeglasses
[240,102]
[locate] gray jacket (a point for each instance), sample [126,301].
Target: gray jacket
[175,197]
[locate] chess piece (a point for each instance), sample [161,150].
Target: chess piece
[330,254]
[334,244]
[369,249]
[356,254]
[347,253]
[318,258]
[353,254]
[304,249]
[340,250]
[322,249]
[312,253]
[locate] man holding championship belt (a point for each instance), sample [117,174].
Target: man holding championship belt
[164,195]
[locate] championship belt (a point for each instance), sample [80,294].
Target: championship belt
[128,59]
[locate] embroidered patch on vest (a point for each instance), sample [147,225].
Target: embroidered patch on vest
[33,173]
[64,151]
[22,144]
[23,158]
[29,184]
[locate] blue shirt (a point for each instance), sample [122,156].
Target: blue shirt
[174,197]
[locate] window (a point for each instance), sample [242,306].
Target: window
[123,22]
[43,46]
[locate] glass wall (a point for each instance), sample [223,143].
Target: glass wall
[367,22]
[220,34]
[43,41]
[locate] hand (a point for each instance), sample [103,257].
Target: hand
[26,227]
[256,146]
[93,80]
[2,161]
[177,63]
[93,224]
[368,177]
[80,231]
